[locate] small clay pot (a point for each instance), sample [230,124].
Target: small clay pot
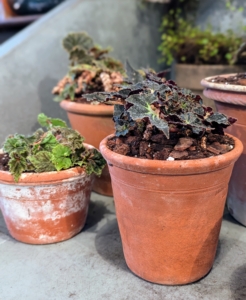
[94,123]
[47,207]
[231,100]
[170,212]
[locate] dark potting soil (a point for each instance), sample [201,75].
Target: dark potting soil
[154,145]
[4,159]
[238,79]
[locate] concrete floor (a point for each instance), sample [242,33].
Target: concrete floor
[91,266]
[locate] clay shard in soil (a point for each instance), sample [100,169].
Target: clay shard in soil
[183,144]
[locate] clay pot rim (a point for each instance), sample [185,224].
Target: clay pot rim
[44,177]
[209,66]
[171,168]
[224,87]
[87,109]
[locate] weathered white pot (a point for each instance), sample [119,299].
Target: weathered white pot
[45,208]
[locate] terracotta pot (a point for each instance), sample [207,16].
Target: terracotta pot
[170,213]
[94,123]
[45,208]
[190,75]
[231,100]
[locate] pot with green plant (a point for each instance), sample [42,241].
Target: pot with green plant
[46,181]
[229,93]
[91,70]
[170,165]
[197,53]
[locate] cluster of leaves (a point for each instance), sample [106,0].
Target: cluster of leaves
[85,55]
[161,103]
[83,51]
[58,148]
[185,42]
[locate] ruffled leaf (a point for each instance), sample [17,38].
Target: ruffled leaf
[76,39]
[17,164]
[92,161]
[60,157]
[49,122]
[15,144]
[42,162]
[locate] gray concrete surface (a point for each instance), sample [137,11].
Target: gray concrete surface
[33,61]
[91,266]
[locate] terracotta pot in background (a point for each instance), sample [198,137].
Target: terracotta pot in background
[94,123]
[231,100]
[45,208]
[189,76]
[170,212]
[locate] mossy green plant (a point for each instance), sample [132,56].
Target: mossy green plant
[184,42]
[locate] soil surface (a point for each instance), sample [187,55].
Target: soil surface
[238,79]
[152,144]
[4,158]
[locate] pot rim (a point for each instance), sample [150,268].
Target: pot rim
[210,66]
[87,109]
[44,177]
[171,168]
[224,87]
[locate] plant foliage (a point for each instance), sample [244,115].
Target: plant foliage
[88,61]
[58,148]
[163,104]
[185,42]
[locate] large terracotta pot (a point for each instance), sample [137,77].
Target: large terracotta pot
[170,212]
[231,100]
[45,208]
[94,123]
[190,75]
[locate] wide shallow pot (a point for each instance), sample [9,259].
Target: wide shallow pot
[170,212]
[190,75]
[94,123]
[231,100]
[45,208]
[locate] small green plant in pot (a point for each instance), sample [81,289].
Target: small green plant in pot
[187,43]
[91,70]
[197,52]
[170,164]
[46,181]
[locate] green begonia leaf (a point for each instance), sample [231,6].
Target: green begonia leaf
[60,158]
[16,144]
[17,165]
[49,122]
[42,162]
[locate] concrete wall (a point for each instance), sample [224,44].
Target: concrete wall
[216,13]
[33,61]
